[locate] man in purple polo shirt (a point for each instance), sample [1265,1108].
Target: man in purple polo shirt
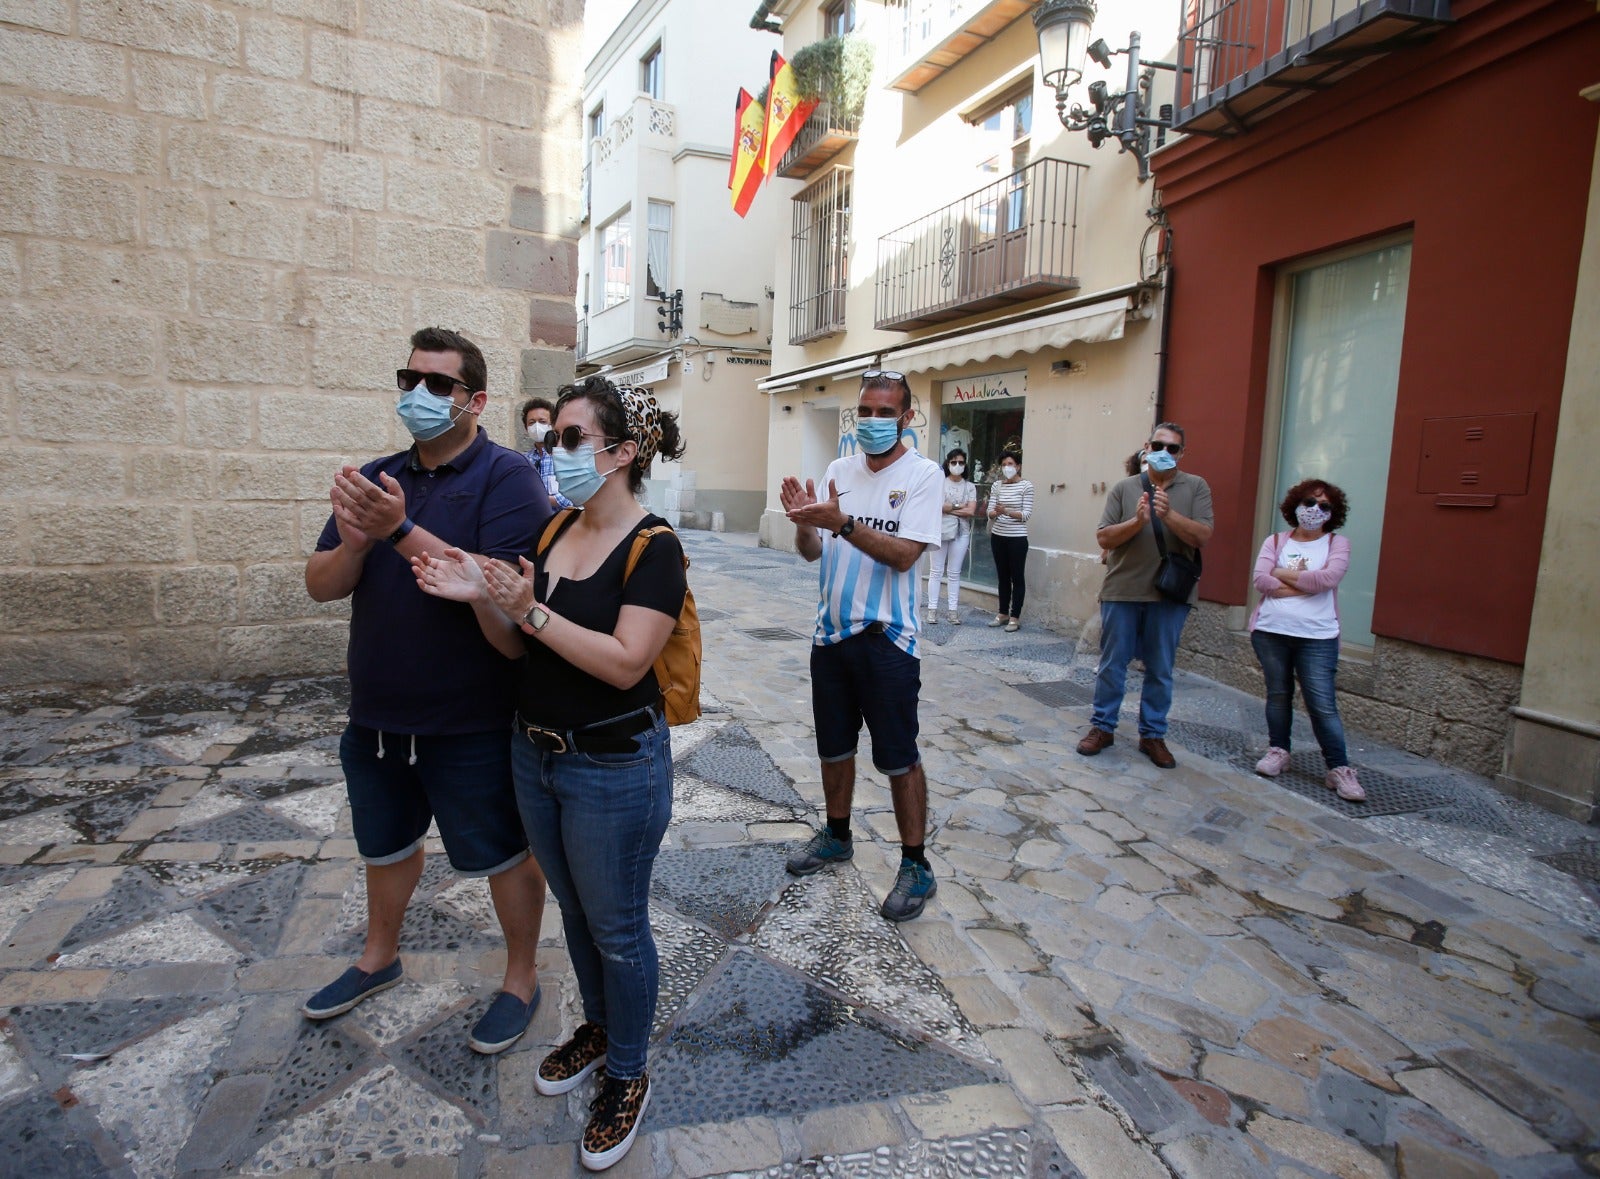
[430,699]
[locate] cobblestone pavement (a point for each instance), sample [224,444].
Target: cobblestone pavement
[1126,973]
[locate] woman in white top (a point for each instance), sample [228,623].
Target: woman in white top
[1010,505]
[1295,628]
[960,505]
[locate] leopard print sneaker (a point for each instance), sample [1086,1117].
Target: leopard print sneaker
[614,1117]
[566,1067]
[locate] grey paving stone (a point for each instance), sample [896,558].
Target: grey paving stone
[1141,1092]
[1359,1109]
[222,1136]
[722,888]
[55,1144]
[763,1042]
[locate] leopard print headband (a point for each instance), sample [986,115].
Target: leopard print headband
[644,421]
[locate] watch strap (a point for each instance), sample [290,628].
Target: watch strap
[847,527]
[401,532]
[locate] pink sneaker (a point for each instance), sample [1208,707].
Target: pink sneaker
[1274,763]
[1342,781]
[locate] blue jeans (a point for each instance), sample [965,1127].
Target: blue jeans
[1314,662]
[1137,630]
[595,822]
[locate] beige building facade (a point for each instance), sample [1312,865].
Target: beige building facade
[218,225]
[673,287]
[960,235]
[1553,747]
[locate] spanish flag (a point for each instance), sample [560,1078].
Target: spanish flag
[787,112]
[745,172]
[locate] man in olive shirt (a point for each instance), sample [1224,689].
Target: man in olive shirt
[1136,622]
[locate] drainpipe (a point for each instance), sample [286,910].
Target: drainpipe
[1166,327]
[762,21]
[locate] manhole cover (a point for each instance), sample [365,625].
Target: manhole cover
[1059,693]
[775,634]
[1582,862]
[710,615]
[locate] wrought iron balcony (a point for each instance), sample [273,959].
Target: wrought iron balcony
[927,37]
[825,134]
[1012,240]
[1241,60]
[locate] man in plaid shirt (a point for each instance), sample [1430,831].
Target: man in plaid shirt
[536,418]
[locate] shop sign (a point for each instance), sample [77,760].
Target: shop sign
[984,388]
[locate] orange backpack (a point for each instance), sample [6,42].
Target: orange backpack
[677,668]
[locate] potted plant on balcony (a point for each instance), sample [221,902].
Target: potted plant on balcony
[837,71]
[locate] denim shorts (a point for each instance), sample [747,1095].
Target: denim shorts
[866,678]
[463,781]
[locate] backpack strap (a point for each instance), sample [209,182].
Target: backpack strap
[641,542]
[1155,521]
[557,525]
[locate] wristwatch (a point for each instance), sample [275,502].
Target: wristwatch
[537,617]
[401,532]
[847,527]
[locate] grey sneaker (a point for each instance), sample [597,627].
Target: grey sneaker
[955,617]
[912,888]
[821,851]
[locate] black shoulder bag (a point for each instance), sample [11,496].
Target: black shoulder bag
[1177,575]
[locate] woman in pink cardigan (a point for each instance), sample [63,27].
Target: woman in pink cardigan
[1295,628]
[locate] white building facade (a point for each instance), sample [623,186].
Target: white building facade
[674,289]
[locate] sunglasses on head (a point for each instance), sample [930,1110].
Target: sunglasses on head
[569,439]
[438,384]
[882,374]
[1169,447]
[1312,501]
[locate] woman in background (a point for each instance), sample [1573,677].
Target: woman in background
[1010,505]
[1295,628]
[960,504]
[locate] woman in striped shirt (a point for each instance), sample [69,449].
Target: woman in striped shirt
[1010,505]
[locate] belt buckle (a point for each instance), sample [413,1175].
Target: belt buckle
[550,735]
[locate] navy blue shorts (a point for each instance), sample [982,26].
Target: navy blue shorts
[463,781]
[866,678]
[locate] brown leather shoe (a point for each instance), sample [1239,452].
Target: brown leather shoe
[1156,750]
[1095,741]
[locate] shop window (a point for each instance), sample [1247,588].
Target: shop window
[1341,323]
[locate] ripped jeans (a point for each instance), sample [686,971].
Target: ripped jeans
[595,822]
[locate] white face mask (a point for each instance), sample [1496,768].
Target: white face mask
[957,468]
[537,431]
[1008,471]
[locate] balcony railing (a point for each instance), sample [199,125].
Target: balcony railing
[819,258]
[927,37]
[1012,240]
[1241,60]
[652,123]
[825,134]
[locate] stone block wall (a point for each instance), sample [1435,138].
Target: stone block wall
[1452,708]
[219,222]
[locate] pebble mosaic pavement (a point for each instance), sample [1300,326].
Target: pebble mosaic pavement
[1125,974]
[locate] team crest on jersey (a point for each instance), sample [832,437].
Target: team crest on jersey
[896,498]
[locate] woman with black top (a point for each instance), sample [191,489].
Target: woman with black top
[590,753]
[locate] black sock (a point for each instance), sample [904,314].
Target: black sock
[915,852]
[840,828]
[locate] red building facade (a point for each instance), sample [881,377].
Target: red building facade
[1460,136]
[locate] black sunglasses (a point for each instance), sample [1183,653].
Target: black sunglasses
[1169,447]
[438,384]
[1312,501]
[882,374]
[569,439]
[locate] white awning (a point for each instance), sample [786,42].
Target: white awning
[1089,324]
[783,382]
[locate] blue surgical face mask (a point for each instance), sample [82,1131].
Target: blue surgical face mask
[1161,460]
[576,472]
[425,415]
[877,436]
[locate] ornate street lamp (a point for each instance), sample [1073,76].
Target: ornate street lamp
[1063,27]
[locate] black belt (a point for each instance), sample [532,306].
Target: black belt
[874,628]
[608,736]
